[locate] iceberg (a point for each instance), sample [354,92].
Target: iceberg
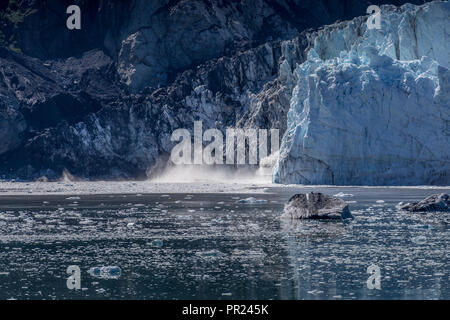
[105,272]
[252,200]
[372,107]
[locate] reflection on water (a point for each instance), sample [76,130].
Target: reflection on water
[214,247]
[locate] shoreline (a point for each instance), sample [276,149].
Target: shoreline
[148,187]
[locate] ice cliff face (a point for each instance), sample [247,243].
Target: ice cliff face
[373,106]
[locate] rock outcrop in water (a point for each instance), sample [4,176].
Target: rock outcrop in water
[316,206]
[434,203]
[102,102]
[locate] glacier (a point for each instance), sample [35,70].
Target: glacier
[372,107]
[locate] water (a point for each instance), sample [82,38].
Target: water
[211,246]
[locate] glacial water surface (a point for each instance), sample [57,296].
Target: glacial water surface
[213,246]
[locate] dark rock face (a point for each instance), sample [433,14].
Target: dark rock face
[316,206]
[103,101]
[12,126]
[155,40]
[434,203]
[49,92]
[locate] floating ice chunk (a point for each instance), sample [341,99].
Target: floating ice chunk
[343,195]
[252,200]
[379,201]
[105,272]
[29,220]
[422,226]
[157,243]
[315,292]
[184,217]
[86,221]
[130,225]
[209,253]
[419,240]
[73,198]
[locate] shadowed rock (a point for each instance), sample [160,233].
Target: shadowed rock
[434,203]
[316,206]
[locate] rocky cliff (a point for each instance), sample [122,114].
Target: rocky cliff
[102,102]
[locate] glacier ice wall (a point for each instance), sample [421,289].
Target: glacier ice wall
[372,107]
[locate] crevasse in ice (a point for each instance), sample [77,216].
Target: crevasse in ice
[372,107]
